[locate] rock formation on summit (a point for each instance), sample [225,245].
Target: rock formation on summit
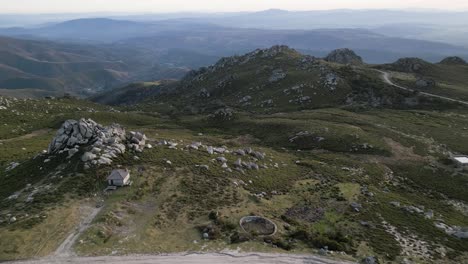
[453,61]
[344,56]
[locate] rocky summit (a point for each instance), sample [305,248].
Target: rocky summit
[454,60]
[409,65]
[344,56]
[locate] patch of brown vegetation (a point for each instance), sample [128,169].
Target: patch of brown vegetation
[399,153]
[242,140]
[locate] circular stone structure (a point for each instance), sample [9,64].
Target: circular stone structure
[258,225]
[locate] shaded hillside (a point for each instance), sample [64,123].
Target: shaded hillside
[133,93]
[81,70]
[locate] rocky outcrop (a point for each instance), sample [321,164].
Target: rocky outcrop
[410,65]
[425,83]
[74,133]
[223,114]
[277,75]
[225,63]
[453,61]
[204,93]
[100,144]
[4,103]
[344,56]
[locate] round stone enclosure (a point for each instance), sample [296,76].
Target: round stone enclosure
[257,225]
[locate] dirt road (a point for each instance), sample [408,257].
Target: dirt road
[386,78]
[65,249]
[191,258]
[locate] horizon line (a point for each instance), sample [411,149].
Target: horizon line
[409,9]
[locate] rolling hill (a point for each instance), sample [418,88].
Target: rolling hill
[40,68]
[351,180]
[446,78]
[277,79]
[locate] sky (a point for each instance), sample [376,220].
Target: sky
[164,6]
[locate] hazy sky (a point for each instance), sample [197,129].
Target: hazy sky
[54,6]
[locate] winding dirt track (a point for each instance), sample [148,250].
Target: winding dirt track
[191,258]
[386,78]
[65,249]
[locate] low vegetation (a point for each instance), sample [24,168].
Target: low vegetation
[349,181]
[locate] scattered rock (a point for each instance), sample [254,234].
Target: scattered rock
[370,260]
[356,206]
[224,114]
[245,99]
[204,93]
[429,214]
[222,159]
[277,75]
[425,83]
[206,167]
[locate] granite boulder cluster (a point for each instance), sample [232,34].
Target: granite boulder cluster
[100,144]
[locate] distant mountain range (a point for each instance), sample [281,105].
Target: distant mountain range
[154,39]
[88,56]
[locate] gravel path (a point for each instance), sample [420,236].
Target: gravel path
[192,258]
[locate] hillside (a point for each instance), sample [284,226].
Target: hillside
[133,93]
[449,77]
[42,68]
[350,184]
[278,79]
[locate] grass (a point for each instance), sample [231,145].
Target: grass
[350,191]
[42,240]
[175,201]
[451,80]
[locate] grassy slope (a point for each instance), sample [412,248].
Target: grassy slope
[451,80]
[398,155]
[147,211]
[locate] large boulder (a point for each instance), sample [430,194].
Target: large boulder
[100,144]
[344,56]
[73,133]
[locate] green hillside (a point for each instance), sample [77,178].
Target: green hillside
[43,68]
[446,78]
[358,169]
